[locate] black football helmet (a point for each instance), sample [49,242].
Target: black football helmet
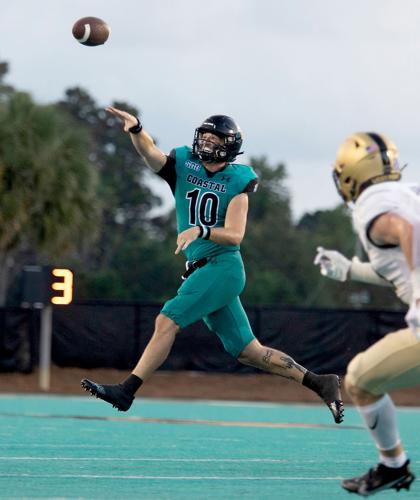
[225,127]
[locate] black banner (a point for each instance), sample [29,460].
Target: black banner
[113,335]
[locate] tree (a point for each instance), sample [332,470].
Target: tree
[270,249]
[47,187]
[128,260]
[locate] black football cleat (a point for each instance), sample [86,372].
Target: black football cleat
[328,389]
[113,394]
[380,478]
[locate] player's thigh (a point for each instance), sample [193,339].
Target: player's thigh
[208,289]
[391,363]
[232,326]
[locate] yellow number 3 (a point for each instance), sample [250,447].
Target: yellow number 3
[65,286]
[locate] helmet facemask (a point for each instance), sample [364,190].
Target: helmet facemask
[212,151]
[208,149]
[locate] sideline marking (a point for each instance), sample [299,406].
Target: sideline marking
[178,478]
[188,460]
[184,421]
[91,459]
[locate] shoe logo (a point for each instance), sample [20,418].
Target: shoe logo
[99,389]
[375,423]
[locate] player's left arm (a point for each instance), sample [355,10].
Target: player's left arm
[232,233]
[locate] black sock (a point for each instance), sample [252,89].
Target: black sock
[310,380]
[132,383]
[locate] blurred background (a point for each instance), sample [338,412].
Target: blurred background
[299,77]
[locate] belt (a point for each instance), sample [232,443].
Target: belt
[193,265]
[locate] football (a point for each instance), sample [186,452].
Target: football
[91,31]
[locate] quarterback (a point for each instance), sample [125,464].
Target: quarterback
[211,203]
[386,218]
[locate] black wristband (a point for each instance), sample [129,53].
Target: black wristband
[136,129]
[204,232]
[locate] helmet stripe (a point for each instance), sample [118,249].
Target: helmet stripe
[383,149]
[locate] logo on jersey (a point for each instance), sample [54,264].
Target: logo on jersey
[192,165]
[213,186]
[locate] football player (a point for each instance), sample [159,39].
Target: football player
[386,217]
[211,202]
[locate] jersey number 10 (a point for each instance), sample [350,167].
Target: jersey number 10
[203,209]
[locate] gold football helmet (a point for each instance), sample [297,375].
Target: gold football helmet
[365,158]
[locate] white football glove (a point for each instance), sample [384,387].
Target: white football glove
[412,318]
[332,264]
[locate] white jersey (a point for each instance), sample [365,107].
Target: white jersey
[388,260]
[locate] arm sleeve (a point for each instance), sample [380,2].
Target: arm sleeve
[364,272]
[252,186]
[168,171]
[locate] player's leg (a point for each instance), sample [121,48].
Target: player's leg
[273,361]
[157,350]
[207,289]
[391,363]
[231,325]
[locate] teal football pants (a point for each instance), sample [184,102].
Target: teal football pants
[212,293]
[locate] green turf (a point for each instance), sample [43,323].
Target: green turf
[79,447]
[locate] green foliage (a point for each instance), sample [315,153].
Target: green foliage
[330,229]
[333,229]
[48,203]
[143,268]
[270,248]
[47,188]
[133,258]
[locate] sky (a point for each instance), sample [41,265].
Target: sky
[299,76]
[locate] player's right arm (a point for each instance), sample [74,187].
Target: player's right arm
[395,229]
[142,141]
[336,266]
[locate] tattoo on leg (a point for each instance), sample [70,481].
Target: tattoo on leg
[279,363]
[290,363]
[267,356]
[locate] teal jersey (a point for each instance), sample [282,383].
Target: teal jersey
[202,197]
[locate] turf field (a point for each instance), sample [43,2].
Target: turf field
[56,447]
